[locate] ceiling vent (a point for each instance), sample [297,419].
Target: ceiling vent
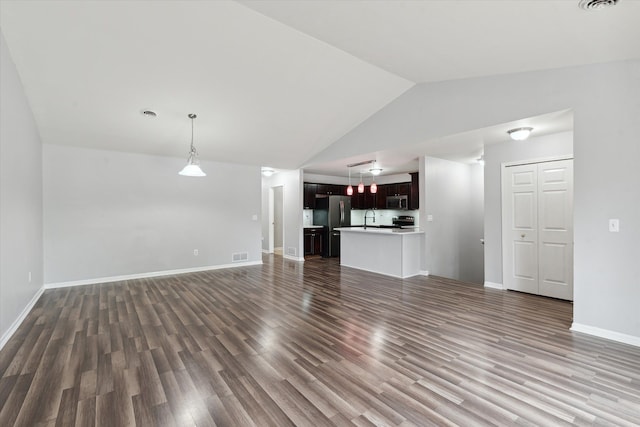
[596,4]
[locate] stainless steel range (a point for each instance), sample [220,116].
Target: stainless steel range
[404,221]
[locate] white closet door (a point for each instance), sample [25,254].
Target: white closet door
[520,204]
[537,203]
[555,235]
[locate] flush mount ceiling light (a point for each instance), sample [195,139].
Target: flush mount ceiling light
[375,169]
[596,4]
[193,165]
[520,134]
[268,172]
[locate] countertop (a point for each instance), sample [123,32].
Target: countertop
[313,226]
[373,230]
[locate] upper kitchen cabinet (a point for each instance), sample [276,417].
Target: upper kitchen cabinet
[364,200]
[309,201]
[312,189]
[331,189]
[386,190]
[414,197]
[380,198]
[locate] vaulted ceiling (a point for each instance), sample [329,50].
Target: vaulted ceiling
[275,82]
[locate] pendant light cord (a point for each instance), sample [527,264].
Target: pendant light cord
[193,149]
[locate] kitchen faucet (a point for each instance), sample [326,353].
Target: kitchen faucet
[365,217]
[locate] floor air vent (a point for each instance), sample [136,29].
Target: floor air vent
[240,256]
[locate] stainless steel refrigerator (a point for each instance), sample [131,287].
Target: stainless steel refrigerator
[332,212]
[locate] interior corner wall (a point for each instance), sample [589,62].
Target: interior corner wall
[291,181]
[20,197]
[450,237]
[109,214]
[604,99]
[555,145]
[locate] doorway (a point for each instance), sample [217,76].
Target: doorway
[276,234]
[537,227]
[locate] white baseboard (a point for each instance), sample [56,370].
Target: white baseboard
[605,333]
[146,275]
[293,258]
[493,285]
[424,272]
[23,315]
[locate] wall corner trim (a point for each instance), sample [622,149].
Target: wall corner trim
[23,315]
[424,272]
[607,334]
[493,285]
[293,258]
[99,280]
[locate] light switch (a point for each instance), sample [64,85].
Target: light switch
[254,217]
[429,218]
[614,225]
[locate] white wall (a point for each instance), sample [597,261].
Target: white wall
[452,239]
[20,198]
[110,214]
[560,144]
[291,181]
[604,99]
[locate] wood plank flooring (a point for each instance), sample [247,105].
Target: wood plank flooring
[309,344]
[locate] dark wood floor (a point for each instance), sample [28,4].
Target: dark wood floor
[309,344]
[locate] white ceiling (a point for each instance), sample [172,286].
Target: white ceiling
[465,147]
[435,40]
[276,82]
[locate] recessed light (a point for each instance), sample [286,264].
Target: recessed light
[149,113]
[520,134]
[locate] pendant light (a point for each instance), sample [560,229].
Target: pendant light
[361,185]
[374,186]
[193,165]
[349,188]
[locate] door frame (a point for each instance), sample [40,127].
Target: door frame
[503,231]
[272,219]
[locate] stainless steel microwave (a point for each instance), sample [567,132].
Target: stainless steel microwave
[397,202]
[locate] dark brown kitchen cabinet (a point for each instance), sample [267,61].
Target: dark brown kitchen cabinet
[310,190]
[380,198]
[398,189]
[313,241]
[331,189]
[414,197]
[364,200]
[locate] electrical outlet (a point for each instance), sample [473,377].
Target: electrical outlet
[614,225]
[195,252]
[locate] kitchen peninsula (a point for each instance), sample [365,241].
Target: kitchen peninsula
[391,251]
